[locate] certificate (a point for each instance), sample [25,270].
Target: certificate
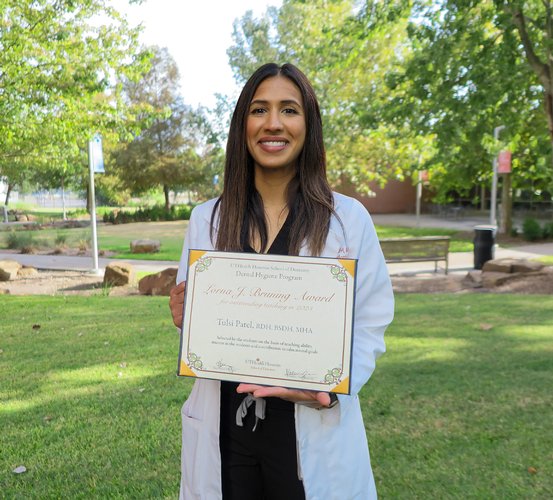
[269,319]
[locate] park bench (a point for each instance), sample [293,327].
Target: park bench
[419,249]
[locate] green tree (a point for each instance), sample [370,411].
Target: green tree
[466,75]
[169,151]
[347,50]
[533,22]
[60,73]
[412,84]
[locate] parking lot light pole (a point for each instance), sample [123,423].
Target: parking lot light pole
[493,202]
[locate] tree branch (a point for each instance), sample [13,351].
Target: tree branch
[540,68]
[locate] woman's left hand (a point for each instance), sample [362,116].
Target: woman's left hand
[310,398]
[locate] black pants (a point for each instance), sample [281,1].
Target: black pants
[260,464]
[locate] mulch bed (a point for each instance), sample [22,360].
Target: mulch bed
[84,283]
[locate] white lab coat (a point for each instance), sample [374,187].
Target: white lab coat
[333,455]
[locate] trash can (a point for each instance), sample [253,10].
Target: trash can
[484,241]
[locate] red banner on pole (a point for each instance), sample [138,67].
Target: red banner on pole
[504,162]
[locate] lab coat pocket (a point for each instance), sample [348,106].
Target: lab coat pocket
[194,406]
[191,428]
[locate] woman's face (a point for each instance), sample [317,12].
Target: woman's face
[275,127]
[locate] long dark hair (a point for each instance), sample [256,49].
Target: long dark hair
[310,198]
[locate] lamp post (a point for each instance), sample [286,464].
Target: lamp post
[493,203]
[419,196]
[95,164]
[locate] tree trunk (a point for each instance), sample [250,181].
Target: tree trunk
[88,200]
[506,205]
[549,113]
[482,198]
[542,67]
[63,200]
[8,193]
[166,194]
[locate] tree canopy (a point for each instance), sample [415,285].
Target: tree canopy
[346,52]
[175,147]
[406,85]
[61,65]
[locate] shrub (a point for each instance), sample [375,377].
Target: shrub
[548,230]
[531,229]
[183,212]
[83,245]
[21,240]
[77,212]
[149,214]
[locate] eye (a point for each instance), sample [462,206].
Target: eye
[290,111]
[257,110]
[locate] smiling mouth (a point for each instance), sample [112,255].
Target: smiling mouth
[273,144]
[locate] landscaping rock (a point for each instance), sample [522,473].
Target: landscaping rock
[473,279]
[27,272]
[9,269]
[540,282]
[145,246]
[159,283]
[492,279]
[119,274]
[499,266]
[527,266]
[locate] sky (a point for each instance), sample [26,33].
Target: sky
[197,34]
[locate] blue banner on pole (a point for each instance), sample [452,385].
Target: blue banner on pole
[97,155]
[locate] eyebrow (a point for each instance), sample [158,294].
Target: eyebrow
[285,102]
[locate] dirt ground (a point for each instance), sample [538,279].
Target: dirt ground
[84,283]
[63,283]
[456,283]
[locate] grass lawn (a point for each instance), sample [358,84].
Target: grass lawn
[459,407]
[547,260]
[89,403]
[460,241]
[117,238]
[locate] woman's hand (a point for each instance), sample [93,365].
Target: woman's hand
[309,398]
[176,303]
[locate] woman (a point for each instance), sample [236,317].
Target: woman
[276,199]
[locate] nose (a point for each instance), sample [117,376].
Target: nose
[274,121]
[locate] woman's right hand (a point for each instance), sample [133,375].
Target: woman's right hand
[176,303]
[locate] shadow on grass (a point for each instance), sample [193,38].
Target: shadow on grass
[118,439]
[83,287]
[460,406]
[89,400]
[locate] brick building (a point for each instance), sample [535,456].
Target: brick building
[397,197]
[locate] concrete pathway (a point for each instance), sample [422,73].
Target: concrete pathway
[410,220]
[79,263]
[461,223]
[459,262]
[462,262]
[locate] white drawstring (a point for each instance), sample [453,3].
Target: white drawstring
[242,411]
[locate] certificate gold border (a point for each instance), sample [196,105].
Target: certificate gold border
[184,366]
